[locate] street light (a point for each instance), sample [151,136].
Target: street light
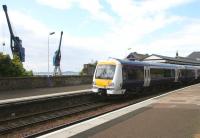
[3,45]
[127,52]
[48,50]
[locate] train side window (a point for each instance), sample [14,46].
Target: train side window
[157,73]
[167,73]
[133,73]
[172,73]
[183,73]
[125,74]
[190,73]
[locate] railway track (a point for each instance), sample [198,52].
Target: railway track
[21,109]
[21,114]
[17,123]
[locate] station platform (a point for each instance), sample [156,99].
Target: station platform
[25,94]
[172,115]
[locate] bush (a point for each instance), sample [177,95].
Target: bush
[12,67]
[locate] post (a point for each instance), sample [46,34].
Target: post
[3,47]
[48,50]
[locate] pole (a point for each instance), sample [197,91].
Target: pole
[48,50]
[48,55]
[3,47]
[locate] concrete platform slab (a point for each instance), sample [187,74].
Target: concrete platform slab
[173,115]
[20,95]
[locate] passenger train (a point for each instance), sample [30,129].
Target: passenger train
[117,77]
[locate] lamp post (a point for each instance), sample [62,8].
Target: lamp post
[3,45]
[48,50]
[127,52]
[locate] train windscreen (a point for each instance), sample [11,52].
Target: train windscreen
[105,72]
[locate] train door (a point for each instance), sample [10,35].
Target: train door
[176,75]
[196,74]
[147,77]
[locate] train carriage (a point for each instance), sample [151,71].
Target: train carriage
[115,76]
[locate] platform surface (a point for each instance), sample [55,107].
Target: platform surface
[174,115]
[28,93]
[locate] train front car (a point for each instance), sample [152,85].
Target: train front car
[108,78]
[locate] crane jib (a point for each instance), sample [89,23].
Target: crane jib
[15,42]
[57,56]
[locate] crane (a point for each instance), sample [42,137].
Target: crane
[57,58]
[15,41]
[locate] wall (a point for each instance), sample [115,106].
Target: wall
[42,82]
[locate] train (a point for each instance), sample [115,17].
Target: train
[122,76]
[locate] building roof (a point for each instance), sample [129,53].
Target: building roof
[177,60]
[136,56]
[194,56]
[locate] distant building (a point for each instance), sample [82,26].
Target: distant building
[88,69]
[173,60]
[194,56]
[136,56]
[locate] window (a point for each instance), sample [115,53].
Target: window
[133,73]
[190,73]
[157,73]
[105,71]
[162,73]
[172,73]
[183,73]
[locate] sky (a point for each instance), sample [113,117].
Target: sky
[99,29]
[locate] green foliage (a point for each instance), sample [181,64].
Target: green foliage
[12,67]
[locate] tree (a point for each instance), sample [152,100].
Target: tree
[12,67]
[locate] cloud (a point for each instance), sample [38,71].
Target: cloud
[93,7]
[132,22]
[186,40]
[62,4]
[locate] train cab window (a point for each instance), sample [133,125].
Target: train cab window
[105,71]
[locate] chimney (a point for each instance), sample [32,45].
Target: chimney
[176,54]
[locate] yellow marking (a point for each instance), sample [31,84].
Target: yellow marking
[102,82]
[106,63]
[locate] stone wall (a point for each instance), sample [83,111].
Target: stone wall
[42,82]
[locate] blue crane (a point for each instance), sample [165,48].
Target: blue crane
[15,41]
[57,58]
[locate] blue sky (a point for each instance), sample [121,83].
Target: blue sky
[98,29]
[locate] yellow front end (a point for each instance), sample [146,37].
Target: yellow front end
[101,83]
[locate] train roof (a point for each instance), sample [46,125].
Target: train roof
[150,64]
[153,64]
